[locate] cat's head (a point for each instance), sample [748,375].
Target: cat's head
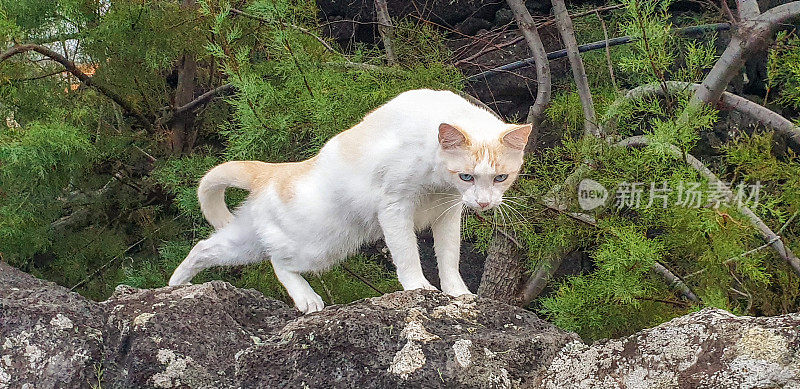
[482,169]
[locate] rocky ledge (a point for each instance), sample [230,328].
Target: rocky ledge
[217,336]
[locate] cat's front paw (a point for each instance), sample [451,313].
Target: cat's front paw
[310,302]
[456,289]
[418,284]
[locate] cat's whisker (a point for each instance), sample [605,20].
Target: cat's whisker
[502,217]
[513,219]
[514,202]
[522,217]
[441,204]
[445,211]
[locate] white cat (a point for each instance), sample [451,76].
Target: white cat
[410,164]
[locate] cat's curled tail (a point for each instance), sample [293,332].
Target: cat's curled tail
[211,191]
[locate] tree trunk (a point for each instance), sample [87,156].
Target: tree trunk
[184,93]
[502,271]
[181,124]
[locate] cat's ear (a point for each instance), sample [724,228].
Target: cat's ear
[517,136]
[451,137]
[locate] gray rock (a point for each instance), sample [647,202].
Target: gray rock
[707,349]
[214,335]
[49,336]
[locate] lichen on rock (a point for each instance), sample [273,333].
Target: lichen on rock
[214,335]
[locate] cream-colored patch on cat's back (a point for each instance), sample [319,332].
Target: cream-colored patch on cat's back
[351,143]
[253,176]
[282,177]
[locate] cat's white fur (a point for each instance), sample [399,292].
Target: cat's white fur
[394,173]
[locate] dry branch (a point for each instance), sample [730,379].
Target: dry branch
[545,23]
[608,51]
[751,36]
[543,274]
[567,32]
[755,111]
[83,77]
[220,90]
[763,229]
[543,87]
[386,30]
[306,31]
[675,281]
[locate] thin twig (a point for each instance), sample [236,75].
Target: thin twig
[38,77]
[290,25]
[727,100]
[673,280]
[220,90]
[352,273]
[683,31]
[110,261]
[679,304]
[608,51]
[548,22]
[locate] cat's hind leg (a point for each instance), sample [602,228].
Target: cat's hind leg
[304,297]
[231,245]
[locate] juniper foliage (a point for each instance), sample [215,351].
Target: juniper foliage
[89,197]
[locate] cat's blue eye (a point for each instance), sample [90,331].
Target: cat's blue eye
[500,177]
[466,177]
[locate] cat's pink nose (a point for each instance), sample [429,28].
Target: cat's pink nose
[483,205]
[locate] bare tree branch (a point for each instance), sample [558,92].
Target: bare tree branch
[220,90]
[537,282]
[545,23]
[675,281]
[765,116]
[567,33]
[534,286]
[386,30]
[766,232]
[608,51]
[748,9]
[503,267]
[751,36]
[543,77]
[622,40]
[80,75]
